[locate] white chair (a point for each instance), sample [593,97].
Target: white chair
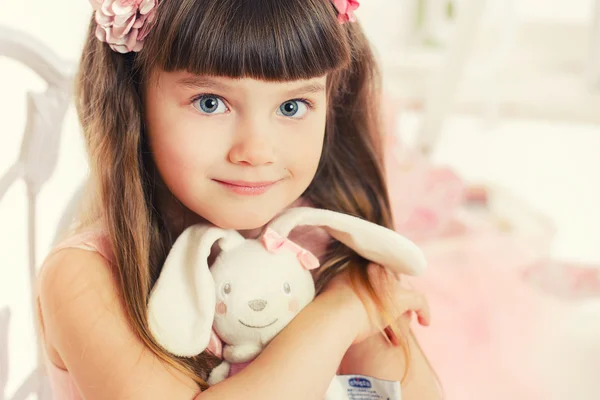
[446,78]
[594,64]
[4,317]
[35,165]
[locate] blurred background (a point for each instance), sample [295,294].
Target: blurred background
[506,93]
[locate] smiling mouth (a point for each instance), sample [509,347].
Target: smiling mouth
[252,326]
[247,188]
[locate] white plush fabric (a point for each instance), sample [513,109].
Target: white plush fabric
[251,294]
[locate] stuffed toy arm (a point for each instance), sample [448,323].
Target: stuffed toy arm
[219,373]
[241,353]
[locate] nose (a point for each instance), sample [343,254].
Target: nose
[254,145]
[257,305]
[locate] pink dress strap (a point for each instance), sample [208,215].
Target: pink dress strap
[93,239]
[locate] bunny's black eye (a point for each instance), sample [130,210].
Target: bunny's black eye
[287,288]
[227,288]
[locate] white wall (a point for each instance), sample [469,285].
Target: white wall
[60,25]
[555,10]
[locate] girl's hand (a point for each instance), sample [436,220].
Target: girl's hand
[368,320]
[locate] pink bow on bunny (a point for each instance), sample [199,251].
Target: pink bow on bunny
[274,243]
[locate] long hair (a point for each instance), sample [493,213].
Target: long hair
[269,40]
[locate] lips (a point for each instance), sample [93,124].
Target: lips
[247,183]
[248,188]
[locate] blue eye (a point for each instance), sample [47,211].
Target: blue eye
[209,104]
[293,109]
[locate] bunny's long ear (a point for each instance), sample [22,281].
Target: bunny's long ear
[374,242]
[182,302]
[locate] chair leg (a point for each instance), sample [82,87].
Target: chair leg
[442,89]
[594,61]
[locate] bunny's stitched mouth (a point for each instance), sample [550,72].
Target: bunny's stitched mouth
[252,326]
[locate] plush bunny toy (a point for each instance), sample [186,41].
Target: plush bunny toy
[255,287]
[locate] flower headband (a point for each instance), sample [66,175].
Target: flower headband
[124,24]
[346,10]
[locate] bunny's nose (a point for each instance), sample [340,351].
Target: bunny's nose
[257,305]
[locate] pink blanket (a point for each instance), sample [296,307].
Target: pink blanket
[496,298]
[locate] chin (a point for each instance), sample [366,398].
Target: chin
[241,221]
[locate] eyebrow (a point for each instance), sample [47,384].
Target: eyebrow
[199,81]
[311,88]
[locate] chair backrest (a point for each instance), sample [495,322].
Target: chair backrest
[35,165]
[4,318]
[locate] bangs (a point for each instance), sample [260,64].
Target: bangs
[272,40]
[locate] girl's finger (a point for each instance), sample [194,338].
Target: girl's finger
[424,313]
[424,318]
[417,303]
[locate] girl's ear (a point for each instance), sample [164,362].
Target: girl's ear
[376,243]
[181,306]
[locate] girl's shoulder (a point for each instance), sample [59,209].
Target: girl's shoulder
[80,255]
[73,262]
[87,331]
[80,263]
[64,281]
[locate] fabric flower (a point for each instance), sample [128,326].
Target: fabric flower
[425,197]
[124,24]
[346,10]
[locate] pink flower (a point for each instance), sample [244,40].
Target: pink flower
[124,24]
[425,198]
[346,10]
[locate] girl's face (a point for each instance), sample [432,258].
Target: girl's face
[235,151]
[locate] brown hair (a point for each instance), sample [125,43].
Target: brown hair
[262,39]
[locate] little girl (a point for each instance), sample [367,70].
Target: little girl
[224,112]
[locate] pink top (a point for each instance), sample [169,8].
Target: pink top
[96,239]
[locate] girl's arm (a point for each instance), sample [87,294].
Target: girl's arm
[377,358]
[302,359]
[86,330]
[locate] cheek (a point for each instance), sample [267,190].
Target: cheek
[221,308]
[293,306]
[186,158]
[183,145]
[302,151]
[178,155]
